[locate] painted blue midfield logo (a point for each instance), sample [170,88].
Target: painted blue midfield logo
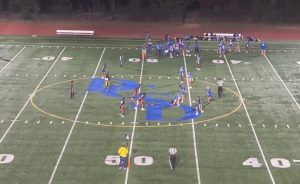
[155,103]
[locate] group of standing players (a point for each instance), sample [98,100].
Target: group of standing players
[178,97]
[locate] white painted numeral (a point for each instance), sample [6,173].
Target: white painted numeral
[112,160]
[48,58]
[6,158]
[235,61]
[143,160]
[217,61]
[134,60]
[252,162]
[280,163]
[152,60]
[66,58]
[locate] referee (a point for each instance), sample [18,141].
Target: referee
[220,84]
[172,157]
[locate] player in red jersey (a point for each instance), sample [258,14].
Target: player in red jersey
[136,92]
[140,101]
[122,107]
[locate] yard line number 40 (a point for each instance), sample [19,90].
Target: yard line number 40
[275,162]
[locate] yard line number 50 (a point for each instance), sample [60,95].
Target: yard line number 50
[275,162]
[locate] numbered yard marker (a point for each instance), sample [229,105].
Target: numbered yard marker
[143,160]
[218,61]
[280,163]
[134,60]
[6,158]
[235,61]
[138,160]
[48,58]
[112,160]
[152,60]
[252,162]
[66,58]
[275,162]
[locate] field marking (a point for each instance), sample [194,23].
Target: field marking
[251,124]
[12,59]
[193,124]
[134,123]
[74,123]
[13,122]
[282,82]
[137,126]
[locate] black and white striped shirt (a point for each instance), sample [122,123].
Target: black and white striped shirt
[172,151]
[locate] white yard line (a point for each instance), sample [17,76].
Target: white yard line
[134,125]
[12,59]
[283,82]
[251,124]
[73,125]
[193,124]
[13,122]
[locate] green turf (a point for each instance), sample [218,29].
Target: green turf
[223,136]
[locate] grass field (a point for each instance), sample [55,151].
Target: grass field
[46,137]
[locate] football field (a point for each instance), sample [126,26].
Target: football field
[250,135]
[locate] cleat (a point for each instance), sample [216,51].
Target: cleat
[120,167]
[142,109]
[196,114]
[135,108]
[202,111]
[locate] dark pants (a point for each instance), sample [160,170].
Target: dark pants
[123,162]
[173,161]
[220,91]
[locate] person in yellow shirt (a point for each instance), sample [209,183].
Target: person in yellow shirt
[123,153]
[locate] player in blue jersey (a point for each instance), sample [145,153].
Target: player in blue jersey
[122,107]
[263,48]
[177,49]
[181,74]
[209,95]
[176,100]
[198,62]
[223,50]
[190,79]
[140,101]
[199,106]
[188,50]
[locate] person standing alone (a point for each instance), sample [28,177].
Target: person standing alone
[220,84]
[172,157]
[123,153]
